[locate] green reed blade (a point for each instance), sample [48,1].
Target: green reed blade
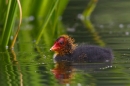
[46,21]
[9,22]
[57,13]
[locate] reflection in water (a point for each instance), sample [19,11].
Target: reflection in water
[65,71]
[15,62]
[10,72]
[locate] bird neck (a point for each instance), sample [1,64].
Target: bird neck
[67,50]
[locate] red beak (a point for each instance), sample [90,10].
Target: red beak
[54,47]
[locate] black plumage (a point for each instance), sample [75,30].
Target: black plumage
[87,53]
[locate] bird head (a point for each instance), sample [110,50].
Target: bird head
[63,45]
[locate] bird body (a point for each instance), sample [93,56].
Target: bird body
[90,53]
[87,53]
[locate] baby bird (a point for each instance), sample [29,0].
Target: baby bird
[67,50]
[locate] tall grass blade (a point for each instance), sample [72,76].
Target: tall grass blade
[57,14]
[46,21]
[9,22]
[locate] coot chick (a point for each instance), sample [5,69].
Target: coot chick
[67,50]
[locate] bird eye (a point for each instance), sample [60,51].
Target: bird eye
[61,42]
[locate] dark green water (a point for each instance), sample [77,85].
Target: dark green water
[111,20]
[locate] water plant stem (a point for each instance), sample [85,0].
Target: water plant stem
[87,13]
[15,37]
